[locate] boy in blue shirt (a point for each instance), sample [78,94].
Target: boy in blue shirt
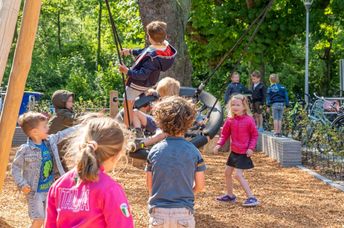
[235,87]
[175,167]
[150,61]
[277,98]
[35,163]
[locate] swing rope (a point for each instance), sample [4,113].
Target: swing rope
[119,49]
[259,18]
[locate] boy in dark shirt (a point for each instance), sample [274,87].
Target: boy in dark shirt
[145,72]
[258,99]
[234,87]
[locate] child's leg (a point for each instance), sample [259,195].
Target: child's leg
[139,119]
[229,180]
[276,126]
[37,223]
[131,95]
[239,175]
[279,126]
[260,120]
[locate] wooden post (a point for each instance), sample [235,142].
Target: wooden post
[113,103]
[17,81]
[9,10]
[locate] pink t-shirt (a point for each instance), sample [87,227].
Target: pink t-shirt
[242,131]
[87,204]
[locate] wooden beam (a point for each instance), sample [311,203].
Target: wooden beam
[113,103]
[9,10]
[16,85]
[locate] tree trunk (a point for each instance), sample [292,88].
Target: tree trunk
[175,14]
[9,10]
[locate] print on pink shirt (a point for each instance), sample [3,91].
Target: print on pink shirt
[69,199]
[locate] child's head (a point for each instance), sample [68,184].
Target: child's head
[274,78]
[63,99]
[235,77]
[34,125]
[168,87]
[100,142]
[256,76]
[238,105]
[157,31]
[174,115]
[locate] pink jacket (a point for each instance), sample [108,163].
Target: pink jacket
[243,133]
[87,204]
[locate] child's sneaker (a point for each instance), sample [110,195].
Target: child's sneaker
[227,198]
[251,202]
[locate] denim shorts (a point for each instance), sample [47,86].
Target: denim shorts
[132,93]
[277,111]
[36,204]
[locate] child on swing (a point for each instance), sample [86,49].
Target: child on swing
[86,196]
[150,61]
[166,87]
[241,129]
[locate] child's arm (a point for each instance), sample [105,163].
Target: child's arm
[144,72]
[199,174]
[155,139]
[263,93]
[149,174]
[254,135]
[149,182]
[227,94]
[286,97]
[268,101]
[225,133]
[116,209]
[17,168]
[59,136]
[136,51]
[51,212]
[199,182]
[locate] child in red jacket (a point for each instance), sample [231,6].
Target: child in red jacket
[241,129]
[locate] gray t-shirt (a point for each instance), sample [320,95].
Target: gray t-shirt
[173,163]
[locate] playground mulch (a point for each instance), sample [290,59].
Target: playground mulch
[289,198]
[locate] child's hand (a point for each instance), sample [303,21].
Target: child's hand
[26,189]
[125,52]
[216,149]
[249,153]
[123,69]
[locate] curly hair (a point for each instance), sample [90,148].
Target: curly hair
[174,115]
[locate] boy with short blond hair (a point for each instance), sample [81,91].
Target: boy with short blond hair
[175,167]
[166,87]
[35,162]
[150,61]
[277,98]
